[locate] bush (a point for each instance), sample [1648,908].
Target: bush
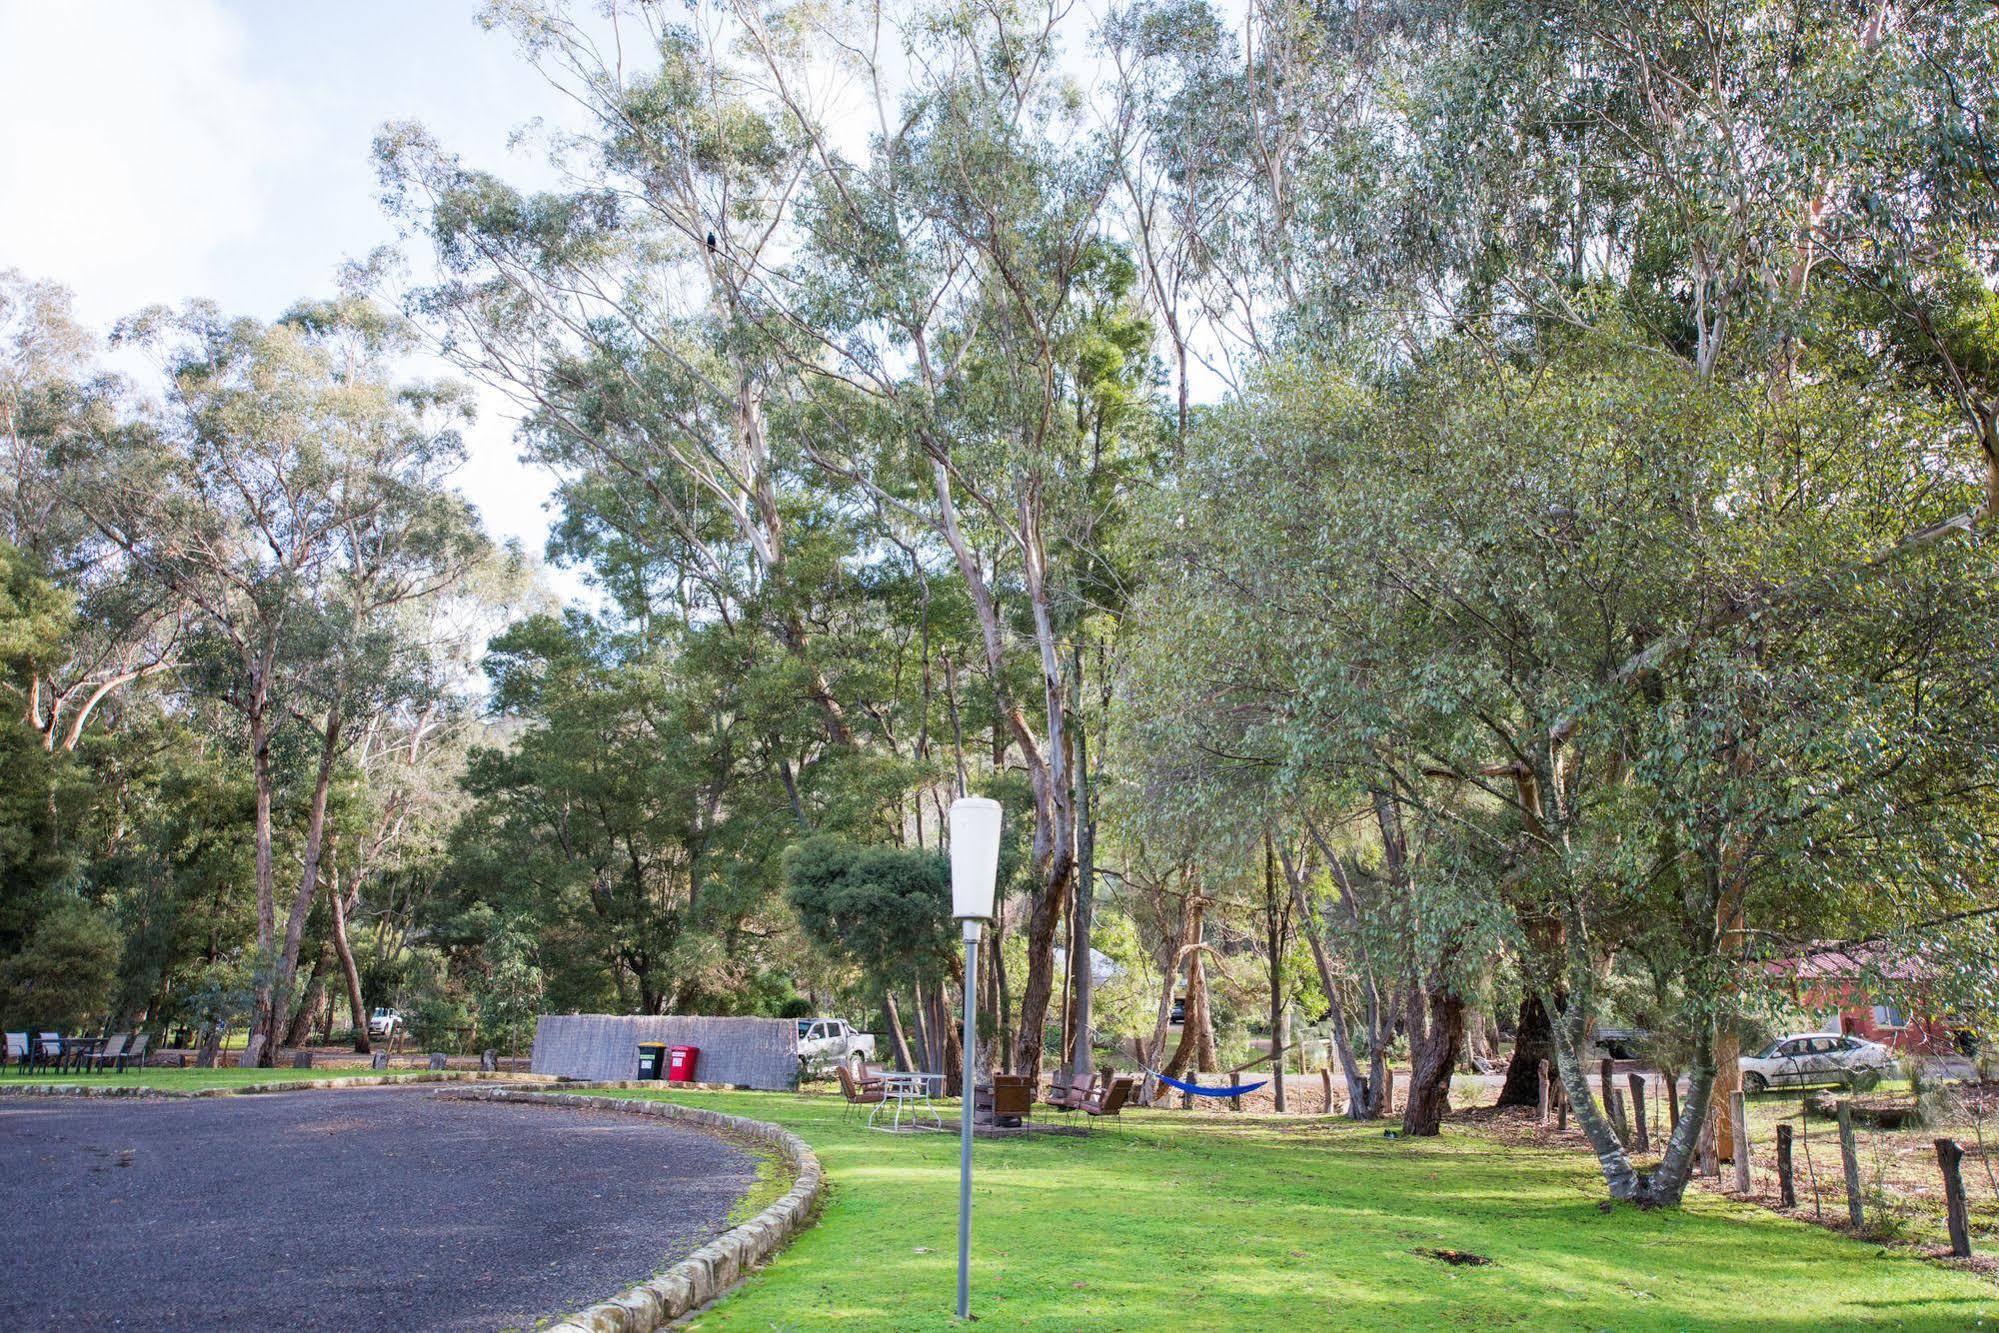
[61,980]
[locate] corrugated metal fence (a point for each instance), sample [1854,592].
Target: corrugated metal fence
[749,1052]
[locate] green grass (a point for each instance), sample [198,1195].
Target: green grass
[190,1080]
[1168,1221]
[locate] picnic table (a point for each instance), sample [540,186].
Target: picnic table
[908,1091]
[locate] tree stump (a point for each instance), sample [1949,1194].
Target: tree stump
[1849,1156]
[1957,1212]
[1326,1081]
[1541,1084]
[1641,1136]
[1740,1137]
[437,1060]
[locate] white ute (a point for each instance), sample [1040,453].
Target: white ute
[831,1041]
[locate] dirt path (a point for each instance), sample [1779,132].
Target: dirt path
[360,1209]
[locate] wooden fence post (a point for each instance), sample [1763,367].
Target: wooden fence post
[1326,1078]
[1849,1156]
[1672,1077]
[1956,1212]
[1741,1141]
[1387,1091]
[1541,1087]
[1710,1161]
[1642,1140]
[1612,1103]
[1787,1190]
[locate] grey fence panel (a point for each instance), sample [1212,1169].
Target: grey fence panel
[748,1052]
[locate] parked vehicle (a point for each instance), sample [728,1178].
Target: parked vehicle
[832,1041]
[1810,1059]
[1619,1043]
[385,1022]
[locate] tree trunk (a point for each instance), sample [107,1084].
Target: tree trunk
[1666,1185]
[344,949]
[307,1008]
[1533,1042]
[1082,978]
[892,1019]
[1433,1053]
[308,884]
[267,927]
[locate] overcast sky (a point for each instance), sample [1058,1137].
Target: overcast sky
[157,150]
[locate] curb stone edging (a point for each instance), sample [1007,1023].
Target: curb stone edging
[249,1089]
[716,1267]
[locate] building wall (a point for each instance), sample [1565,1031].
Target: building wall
[747,1052]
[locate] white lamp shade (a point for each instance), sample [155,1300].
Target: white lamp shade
[975,841]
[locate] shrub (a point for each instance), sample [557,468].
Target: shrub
[61,979]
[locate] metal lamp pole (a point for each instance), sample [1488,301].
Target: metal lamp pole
[975,836]
[972,931]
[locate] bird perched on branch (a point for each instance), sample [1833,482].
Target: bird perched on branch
[711,242]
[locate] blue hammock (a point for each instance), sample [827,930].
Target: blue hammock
[1196,1090]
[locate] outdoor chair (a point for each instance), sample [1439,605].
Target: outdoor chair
[862,1092]
[135,1053]
[48,1051]
[1112,1099]
[18,1050]
[112,1053]
[1005,1102]
[1068,1093]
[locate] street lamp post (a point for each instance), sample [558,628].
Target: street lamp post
[975,834]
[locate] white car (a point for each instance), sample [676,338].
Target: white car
[384,1023]
[1809,1058]
[832,1041]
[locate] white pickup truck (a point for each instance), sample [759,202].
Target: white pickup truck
[831,1041]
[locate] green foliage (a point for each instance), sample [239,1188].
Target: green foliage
[886,909]
[61,979]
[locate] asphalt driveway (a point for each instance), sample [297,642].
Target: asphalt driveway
[366,1209]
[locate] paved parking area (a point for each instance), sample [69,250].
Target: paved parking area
[360,1209]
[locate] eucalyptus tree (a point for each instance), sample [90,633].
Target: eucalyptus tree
[55,401]
[295,496]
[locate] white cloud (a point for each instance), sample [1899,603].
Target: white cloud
[133,143]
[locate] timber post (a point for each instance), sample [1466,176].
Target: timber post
[1787,1190]
[1957,1212]
[1541,1088]
[1740,1136]
[1641,1138]
[1849,1156]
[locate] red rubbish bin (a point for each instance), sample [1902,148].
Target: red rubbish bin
[680,1064]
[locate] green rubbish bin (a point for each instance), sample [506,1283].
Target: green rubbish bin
[652,1058]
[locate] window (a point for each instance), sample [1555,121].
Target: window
[1794,1048]
[1888,1016]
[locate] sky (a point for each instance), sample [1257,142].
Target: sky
[154,151]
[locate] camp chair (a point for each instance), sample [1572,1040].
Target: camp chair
[1067,1093]
[112,1053]
[17,1050]
[48,1050]
[1111,1100]
[135,1054]
[863,1092]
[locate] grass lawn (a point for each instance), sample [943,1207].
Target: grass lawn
[190,1080]
[1168,1220]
